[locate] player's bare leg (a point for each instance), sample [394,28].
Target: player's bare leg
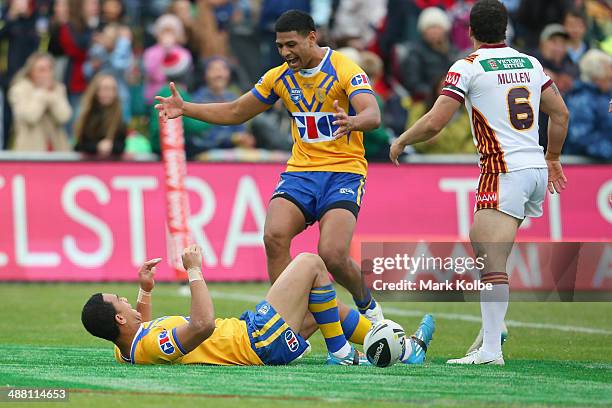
[284,221]
[493,234]
[305,288]
[289,293]
[336,232]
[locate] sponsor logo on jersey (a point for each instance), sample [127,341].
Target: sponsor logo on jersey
[165,344]
[496,64]
[452,78]
[292,341]
[486,197]
[295,95]
[320,94]
[347,191]
[315,126]
[471,58]
[263,309]
[360,79]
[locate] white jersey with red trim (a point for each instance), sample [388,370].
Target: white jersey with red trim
[501,88]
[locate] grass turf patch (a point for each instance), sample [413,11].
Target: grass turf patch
[520,382]
[44,345]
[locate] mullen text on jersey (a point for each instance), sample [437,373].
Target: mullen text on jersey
[513,78]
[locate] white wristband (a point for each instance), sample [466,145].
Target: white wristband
[143,296]
[195,274]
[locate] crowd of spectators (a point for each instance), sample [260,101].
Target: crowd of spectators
[82,74]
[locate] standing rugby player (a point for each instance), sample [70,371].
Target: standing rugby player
[503,91]
[331,103]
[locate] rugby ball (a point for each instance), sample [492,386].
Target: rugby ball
[385,343]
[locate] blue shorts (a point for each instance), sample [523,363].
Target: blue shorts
[271,338]
[316,192]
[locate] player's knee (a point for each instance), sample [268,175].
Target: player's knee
[313,262]
[275,241]
[335,257]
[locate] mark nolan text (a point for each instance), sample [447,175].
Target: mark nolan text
[444,286]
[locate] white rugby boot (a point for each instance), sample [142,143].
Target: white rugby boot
[479,357]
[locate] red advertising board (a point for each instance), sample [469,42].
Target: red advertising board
[99,221]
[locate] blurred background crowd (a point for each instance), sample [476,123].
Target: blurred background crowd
[81,75]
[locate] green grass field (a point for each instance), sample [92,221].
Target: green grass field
[557,354]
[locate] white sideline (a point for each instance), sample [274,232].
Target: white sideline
[439,315]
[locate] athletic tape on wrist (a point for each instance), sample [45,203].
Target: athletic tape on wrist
[195,274]
[143,296]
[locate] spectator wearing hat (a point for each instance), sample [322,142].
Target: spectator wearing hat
[431,56]
[217,74]
[170,34]
[590,126]
[554,57]
[176,66]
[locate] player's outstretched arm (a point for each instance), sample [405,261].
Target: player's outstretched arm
[229,113]
[367,115]
[553,105]
[146,275]
[427,127]
[202,316]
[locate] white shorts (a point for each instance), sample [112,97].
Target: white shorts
[518,193]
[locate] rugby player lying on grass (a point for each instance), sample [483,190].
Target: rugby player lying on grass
[267,336]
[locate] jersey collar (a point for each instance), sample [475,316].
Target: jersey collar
[139,335]
[498,45]
[313,71]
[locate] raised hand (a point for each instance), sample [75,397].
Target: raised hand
[146,274]
[170,107]
[192,257]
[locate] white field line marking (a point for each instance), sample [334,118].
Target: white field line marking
[439,315]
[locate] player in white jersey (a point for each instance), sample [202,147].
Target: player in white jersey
[503,91]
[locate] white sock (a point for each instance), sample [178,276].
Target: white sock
[493,306]
[343,352]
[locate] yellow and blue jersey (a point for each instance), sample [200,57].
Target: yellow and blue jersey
[259,337]
[156,343]
[309,96]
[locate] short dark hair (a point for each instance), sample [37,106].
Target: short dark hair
[98,317]
[577,13]
[489,20]
[295,20]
